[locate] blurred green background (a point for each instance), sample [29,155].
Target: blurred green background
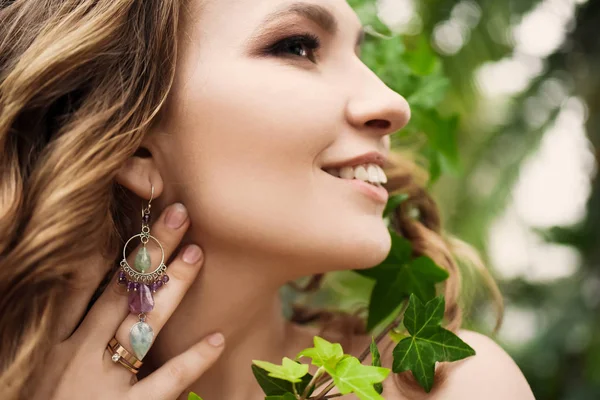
[507,94]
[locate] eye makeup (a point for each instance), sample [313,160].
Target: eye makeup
[308,42]
[317,14]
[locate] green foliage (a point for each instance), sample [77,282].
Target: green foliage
[324,354]
[291,380]
[290,370]
[393,203]
[273,386]
[408,65]
[397,277]
[442,148]
[376,362]
[428,343]
[351,376]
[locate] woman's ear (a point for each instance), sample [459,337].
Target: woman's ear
[139,174]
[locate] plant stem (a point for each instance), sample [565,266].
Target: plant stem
[312,382]
[321,395]
[331,396]
[380,337]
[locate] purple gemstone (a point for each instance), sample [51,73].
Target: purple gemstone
[159,284]
[129,286]
[146,218]
[142,300]
[165,278]
[136,286]
[122,278]
[153,287]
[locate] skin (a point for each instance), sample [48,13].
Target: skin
[241,143]
[80,365]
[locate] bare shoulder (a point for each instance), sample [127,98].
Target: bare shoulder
[491,374]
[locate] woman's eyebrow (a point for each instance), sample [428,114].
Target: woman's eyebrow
[314,12]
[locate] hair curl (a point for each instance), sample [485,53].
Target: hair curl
[80,83]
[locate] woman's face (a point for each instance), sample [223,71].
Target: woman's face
[252,121]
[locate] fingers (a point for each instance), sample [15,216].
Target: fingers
[111,308]
[170,380]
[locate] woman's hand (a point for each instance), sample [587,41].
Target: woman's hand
[84,364]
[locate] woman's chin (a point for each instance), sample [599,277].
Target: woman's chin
[365,251]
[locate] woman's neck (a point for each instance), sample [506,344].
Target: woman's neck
[237,295]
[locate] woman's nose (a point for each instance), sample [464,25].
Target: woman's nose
[376,108]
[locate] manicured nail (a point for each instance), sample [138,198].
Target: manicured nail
[216,339]
[191,254]
[176,216]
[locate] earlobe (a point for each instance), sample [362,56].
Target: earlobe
[139,174]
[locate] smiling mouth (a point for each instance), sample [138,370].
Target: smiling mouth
[370,173]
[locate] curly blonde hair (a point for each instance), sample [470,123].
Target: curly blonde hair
[81,81]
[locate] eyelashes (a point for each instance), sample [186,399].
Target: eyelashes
[307,43]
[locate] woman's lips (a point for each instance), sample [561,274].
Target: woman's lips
[376,193]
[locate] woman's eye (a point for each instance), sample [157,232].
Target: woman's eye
[302,46]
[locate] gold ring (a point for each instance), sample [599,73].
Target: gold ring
[117,359]
[120,355]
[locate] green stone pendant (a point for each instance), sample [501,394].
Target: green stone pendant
[142,260]
[140,337]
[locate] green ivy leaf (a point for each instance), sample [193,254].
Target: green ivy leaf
[429,342]
[278,387]
[441,132]
[397,277]
[376,362]
[397,336]
[393,203]
[350,376]
[290,370]
[384,57]
[430,93]
[194,396]
[420,56]
[324,354]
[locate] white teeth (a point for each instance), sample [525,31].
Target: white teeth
[347,173]
[361,173]
[371,173]
[382,176]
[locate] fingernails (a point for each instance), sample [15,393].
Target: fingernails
[176,216]
[216,339]
[191,254]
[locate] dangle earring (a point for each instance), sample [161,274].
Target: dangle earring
[141,283]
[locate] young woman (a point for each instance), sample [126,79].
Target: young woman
[236,125]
